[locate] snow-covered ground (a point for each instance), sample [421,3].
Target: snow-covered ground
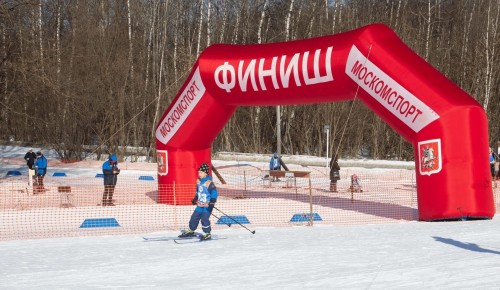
[411,255]
[408,255]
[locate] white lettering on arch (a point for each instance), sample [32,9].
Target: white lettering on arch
[389,93]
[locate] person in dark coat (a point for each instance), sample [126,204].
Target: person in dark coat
[30,157]
[110,170]
[334,174]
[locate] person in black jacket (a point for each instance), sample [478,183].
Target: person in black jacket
[30,157]
[334,174]
[110,170]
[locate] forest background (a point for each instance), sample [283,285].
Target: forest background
[91,76]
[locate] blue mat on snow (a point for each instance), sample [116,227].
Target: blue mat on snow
[13,173]
[99,223]
[305,217]
[229,220]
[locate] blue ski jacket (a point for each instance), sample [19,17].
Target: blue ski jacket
[205,192]
[275,162]
[41,164]
[107,169]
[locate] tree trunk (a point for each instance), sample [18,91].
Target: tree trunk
[200,25]
[490,53]
[160,76]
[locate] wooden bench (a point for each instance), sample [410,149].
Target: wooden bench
[283,173]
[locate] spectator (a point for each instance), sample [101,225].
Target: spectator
[275,164]
[204,199]
[334,174]
[493,161]
[30,157]
[110,170]
[40,171]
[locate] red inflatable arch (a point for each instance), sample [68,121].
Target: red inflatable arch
[446,126]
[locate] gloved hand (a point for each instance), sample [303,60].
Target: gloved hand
[211,204]
[194,201]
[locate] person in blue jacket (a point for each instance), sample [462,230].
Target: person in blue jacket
[204,199]
[40,171]
[110,170]
[493,159]
[275,164]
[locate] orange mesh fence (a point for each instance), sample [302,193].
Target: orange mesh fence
[72,205]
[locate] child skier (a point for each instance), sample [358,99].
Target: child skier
[204,199]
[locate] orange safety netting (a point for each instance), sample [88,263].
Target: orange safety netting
[72,205]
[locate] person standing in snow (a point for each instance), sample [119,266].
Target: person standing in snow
[110,170]
[204,199]
[493,159]
[334,174]
[275,164]
[30,157]
[40,169]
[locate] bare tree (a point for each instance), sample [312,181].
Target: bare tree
[200,25]
[162,52]
[107,69]
[490,39]
[130,43]
[40,36]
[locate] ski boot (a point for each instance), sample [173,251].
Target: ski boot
[187,234]
[205,237]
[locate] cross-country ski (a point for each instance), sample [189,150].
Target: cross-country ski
[181,240]
[197,240]
[169,238]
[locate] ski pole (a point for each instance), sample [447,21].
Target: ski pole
[218,218]
[253,232]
